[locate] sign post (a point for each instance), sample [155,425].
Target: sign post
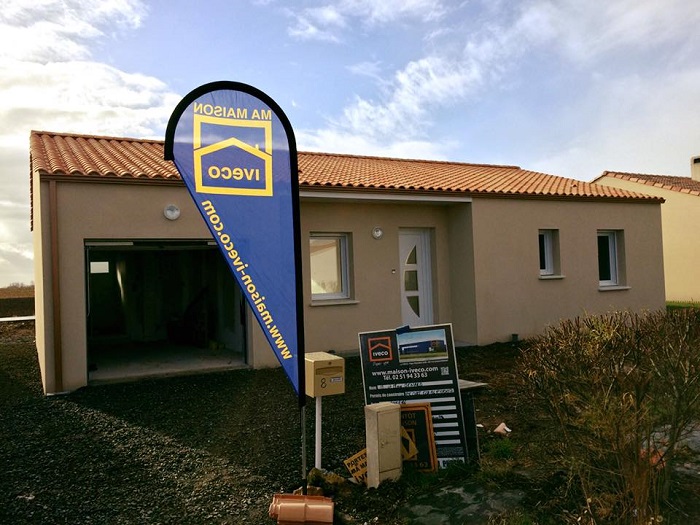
[235,150]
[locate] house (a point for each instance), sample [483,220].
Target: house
[681,238]
[122,256]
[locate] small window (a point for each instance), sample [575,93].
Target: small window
[329,266]
[549,252]
[99,266]
[608,258]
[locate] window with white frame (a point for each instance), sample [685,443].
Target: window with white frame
[609,247]
[549,252]
[329,265]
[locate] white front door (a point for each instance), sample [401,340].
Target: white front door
[416,277]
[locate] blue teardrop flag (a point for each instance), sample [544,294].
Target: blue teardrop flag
[235,150]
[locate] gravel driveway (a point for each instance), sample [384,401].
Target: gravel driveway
[214,448]
[198,449]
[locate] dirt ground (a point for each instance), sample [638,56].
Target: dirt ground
[214,448]
[16,301]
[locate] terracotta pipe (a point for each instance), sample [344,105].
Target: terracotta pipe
[290,509]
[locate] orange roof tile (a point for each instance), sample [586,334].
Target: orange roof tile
[86,157]
[667,182]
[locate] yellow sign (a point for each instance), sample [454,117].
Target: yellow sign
[409,450]
[418,446]
[252,173]
[357,465]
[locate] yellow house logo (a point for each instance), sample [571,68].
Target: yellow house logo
[238,164]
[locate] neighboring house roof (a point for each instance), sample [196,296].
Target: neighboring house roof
[667,182]
[109,159]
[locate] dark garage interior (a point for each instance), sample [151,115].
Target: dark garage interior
[161,307]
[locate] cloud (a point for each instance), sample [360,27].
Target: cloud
[337,141]
[329,21]
[14,267]
[635,106]
[23,251]
[49,81]
[586,31]
[372,70]
[67,26]
[103,101]
[421,86]
[622,90]
[643,126]
[320,23]
[373,12]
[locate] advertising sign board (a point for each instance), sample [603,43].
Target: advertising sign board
[418,365]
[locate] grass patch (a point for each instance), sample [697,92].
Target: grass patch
[679,305]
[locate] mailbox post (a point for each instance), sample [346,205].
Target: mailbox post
[325,376]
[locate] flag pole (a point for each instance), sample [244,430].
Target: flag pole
[304,481]
[301,362]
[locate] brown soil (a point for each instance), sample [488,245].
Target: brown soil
[214,448]
[17,292]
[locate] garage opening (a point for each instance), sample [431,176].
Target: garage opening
[161,308]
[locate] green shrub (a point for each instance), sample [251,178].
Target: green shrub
[675,305]
[623,390]
[511,518]
[501,449]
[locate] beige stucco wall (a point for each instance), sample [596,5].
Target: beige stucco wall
[681,215]
[375,268]
[96,211]
[135,211]
[42,284]
[462,281]
[510,296]
[485,266]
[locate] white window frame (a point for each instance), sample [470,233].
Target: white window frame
[344,264]
[546,237]
[548,249]
[613,259]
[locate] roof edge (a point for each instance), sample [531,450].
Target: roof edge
[97,137]
[408,159]
[652,180]
[305,152]
[636,198]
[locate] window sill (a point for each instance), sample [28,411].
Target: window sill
[551,277]
[612,288]
[334,302]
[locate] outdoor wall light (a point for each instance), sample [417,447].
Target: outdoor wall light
[171,212]
[377,233]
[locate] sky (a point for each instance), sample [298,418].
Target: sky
[566,87]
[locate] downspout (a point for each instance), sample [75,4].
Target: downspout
[55,289]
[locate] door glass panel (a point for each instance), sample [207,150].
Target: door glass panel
[414,304]
[412,258]
[410,280]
